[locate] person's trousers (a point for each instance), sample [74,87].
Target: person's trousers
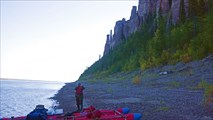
[79,101]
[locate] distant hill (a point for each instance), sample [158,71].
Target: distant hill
[158,33]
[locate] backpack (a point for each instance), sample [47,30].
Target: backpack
[39,113]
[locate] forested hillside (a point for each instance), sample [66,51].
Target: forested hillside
[159,42]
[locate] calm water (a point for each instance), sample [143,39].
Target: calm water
[19,97]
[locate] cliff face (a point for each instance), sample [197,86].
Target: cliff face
[124,28]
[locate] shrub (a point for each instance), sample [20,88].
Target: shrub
[208,92]
[186,58]
[174,84]
[208,95]
[136,80]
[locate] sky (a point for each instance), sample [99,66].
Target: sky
[56,40]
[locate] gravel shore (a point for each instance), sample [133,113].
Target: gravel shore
[174,95]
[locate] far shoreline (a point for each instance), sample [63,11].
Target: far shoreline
[34,80]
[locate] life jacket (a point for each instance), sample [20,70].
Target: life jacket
[79,90]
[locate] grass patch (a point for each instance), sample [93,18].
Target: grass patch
[93,81]
[208,92]
[202,85]
[174,84]
[106,80]
[110,90]
[149,75]
[163,109]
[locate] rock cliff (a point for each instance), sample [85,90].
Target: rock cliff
[124,28]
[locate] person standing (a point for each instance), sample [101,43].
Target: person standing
[79,96]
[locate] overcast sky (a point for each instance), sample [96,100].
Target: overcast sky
[55,40]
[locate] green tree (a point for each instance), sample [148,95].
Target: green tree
[182,11]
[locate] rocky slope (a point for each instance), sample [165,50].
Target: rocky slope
[183,91]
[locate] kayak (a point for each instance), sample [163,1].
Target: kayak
[89,113]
